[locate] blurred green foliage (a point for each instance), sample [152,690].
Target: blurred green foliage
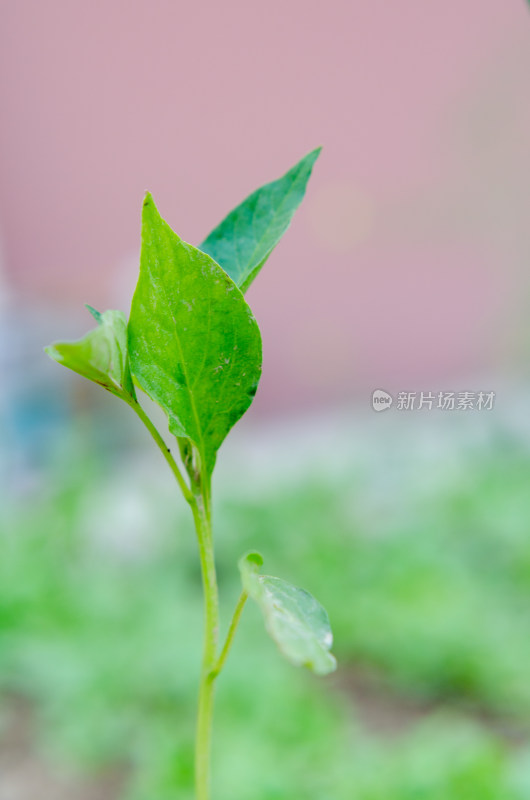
[100,625]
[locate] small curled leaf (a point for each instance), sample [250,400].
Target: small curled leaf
[101,355]
[293,618]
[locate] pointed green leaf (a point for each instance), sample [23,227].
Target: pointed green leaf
[194,344]
[96,314]
[244,240]
[293,618]
[101,355]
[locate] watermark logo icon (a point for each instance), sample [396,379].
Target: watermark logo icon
[381,400]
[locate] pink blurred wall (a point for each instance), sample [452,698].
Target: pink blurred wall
[408,262]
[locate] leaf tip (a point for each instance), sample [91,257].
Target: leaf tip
[53,353]
[312,156]
[150,212]
[96,314]
[148,199]
[326,667]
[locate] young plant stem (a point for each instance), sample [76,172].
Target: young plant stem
[199,500]
[203,525]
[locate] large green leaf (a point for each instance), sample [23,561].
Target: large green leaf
[101,355]
[293,618]
[244,240]
[194,344]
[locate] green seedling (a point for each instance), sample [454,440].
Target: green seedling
[193,346]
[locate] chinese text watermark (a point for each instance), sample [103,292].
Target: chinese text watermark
[427,401]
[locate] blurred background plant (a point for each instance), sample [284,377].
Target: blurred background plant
[412,528]
[422,556]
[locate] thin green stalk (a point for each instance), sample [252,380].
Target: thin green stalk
[137,408]
[203,525]
[200,505]
[231,633]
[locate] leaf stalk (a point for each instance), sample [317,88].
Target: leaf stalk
[231,633]
[166,452]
